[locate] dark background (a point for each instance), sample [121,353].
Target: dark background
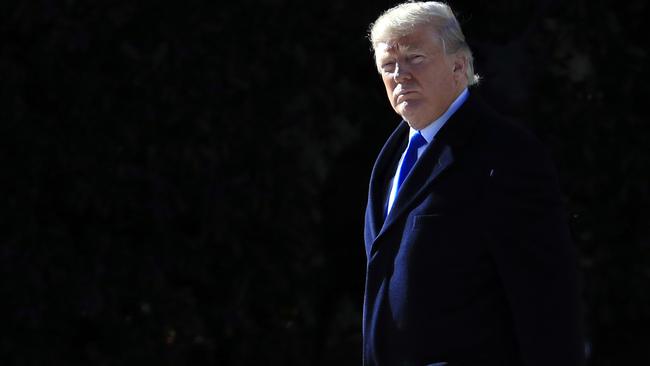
[185,183]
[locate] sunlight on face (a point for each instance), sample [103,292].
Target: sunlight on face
[421,80]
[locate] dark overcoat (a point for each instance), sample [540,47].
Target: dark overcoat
[474,264]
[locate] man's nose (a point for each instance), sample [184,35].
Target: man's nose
[401,73]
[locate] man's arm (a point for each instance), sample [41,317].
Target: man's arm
[534,255]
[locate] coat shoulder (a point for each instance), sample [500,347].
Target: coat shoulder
[508,141]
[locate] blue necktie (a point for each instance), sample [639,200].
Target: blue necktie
[410,158]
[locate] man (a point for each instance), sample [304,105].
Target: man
[469,256]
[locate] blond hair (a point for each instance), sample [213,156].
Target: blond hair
[402,20]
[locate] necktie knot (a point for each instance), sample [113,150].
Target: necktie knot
[411,157]
[417,141]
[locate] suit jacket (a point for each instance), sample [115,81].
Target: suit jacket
[474,264]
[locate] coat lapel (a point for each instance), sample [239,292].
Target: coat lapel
[437,158]
[380,177]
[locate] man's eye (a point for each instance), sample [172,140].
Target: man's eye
[417,59]
[388,66]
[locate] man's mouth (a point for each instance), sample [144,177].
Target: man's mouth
[403,95]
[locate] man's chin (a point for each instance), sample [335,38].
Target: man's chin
[407,110]
[414,121]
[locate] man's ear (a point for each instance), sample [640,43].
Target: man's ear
[459,65]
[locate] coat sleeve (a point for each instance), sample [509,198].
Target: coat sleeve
[529,240]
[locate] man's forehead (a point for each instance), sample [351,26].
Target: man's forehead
[398,45]
[421,38]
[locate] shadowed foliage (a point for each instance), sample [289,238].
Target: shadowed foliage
[185,183]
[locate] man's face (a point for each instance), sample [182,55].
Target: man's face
[421,80]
